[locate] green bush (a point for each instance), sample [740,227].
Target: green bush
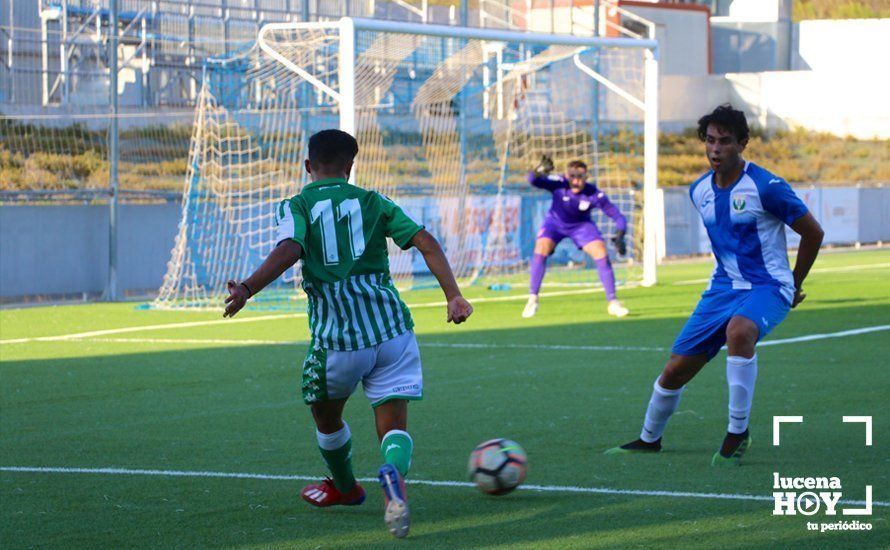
[798,156]
[33,157]
[833,9]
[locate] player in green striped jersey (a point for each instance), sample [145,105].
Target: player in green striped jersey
[361,329]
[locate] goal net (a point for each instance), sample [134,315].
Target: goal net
[449,122]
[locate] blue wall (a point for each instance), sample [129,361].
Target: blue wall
[58,251]
[63,250]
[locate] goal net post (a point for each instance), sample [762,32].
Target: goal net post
[449,120]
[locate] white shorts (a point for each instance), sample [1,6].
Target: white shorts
[389,370]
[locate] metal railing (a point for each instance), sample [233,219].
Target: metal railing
[614,8]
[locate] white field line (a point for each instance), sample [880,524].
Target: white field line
[474,345]
[462,484]
[511,298]
[194,341]
[456,345]
[811,337]
[819,270]
[124,330]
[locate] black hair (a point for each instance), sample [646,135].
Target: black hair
[577,164]
[724,116]
[332,149]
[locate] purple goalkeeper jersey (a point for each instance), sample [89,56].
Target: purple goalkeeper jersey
[571,208]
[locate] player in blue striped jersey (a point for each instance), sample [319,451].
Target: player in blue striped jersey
[745,210]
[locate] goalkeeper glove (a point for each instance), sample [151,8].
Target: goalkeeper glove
[620,245]
[544,168]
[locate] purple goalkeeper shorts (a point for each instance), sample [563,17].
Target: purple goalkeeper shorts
[581,233]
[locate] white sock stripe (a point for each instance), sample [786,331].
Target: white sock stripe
[332,442]
[397,432]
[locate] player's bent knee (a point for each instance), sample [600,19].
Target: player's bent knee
[672,378]
[596,249]
[680,369]
[544,246]
[741,336]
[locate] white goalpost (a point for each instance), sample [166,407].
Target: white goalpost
[449,121]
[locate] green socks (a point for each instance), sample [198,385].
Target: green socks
[336,449]
[396,448]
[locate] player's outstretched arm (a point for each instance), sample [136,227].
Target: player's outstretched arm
[811,235]
[282,257]
[459,309]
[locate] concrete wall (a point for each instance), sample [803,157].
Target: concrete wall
[837,86]
[749,46]
[63,250]
[841,46]
[817,100]
[752,35]
[813,100]
[759,10]
[682,100]
[682,36]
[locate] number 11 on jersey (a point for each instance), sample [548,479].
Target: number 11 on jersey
[323,212]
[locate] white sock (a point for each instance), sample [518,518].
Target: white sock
[662,405]
[741,373]
[332,442]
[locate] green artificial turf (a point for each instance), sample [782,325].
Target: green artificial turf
[201,399]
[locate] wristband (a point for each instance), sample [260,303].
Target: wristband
[249,292]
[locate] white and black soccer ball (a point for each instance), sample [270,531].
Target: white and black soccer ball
[497,466]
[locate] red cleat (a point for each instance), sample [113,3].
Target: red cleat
[326,494]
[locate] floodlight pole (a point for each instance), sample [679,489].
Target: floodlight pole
[111,290]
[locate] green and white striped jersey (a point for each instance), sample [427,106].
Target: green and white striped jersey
[342,229]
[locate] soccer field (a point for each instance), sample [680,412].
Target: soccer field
[123,427]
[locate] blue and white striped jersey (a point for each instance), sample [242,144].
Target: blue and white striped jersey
[746,226]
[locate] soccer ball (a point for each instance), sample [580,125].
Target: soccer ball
[497,466]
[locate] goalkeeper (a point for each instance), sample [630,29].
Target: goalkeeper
[569,216]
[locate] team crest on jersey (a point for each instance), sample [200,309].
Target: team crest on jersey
[738,203]
[583,205]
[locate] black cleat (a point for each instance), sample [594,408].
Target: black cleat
[637,446]
[734,447]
